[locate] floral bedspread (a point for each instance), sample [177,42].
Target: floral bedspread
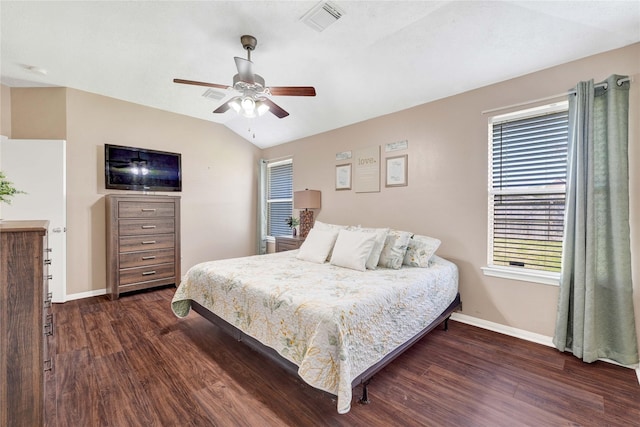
[332,322]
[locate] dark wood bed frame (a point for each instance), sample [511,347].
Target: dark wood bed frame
[362,379]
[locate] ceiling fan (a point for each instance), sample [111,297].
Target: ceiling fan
[253,99]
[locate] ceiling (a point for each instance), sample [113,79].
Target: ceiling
[378,58]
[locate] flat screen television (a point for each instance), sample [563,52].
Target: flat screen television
[140,169]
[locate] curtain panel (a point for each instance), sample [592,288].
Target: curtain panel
[595,307]
[261,228]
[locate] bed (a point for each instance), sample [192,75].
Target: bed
[332,326]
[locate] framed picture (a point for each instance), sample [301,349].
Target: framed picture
[397,171]
[343,177]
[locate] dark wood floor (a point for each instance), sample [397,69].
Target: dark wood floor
[131,362]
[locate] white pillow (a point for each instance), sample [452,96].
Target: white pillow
[381,236]
[420,250]
[317,245]
[352,249]
[394,249]
[325,226]
[319,225]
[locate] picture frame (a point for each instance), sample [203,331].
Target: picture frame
[396,171]
[343,176]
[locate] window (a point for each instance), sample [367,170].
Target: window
[527,174]
[279,197]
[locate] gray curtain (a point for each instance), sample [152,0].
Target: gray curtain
[261,228]
[595,308]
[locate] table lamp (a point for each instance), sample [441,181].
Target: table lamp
[306,199]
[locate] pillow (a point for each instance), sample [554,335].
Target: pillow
[317,245]
[381,236]
[330,227]
[420,250]
[324,226]
[394,249]
[352,249]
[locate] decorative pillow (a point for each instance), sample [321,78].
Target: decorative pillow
[420,250]
[381,236]
[317,245]
[394,249]
[352,249]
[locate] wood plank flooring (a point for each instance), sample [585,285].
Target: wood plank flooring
[131,362]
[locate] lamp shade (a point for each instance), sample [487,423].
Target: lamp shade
[306,199]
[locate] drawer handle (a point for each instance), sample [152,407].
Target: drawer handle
[145,227]
[47,302]
[148,210]
[148,257]
[48,327]
[149,242]
[48,365]
[148,273]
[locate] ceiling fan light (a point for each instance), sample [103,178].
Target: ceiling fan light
[235,105]
[261,107]
[248,105]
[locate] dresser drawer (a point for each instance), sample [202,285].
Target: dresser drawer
[138,259]
[145,243]
[128,227]
[143,274]
[145,209]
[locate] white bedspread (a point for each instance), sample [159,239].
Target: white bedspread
[332,322]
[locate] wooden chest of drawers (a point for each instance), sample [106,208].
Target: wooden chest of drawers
[143,242]
[25,322]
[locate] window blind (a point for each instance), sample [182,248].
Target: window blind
[279,198]
[529,158]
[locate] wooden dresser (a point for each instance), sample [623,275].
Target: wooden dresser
[25,322]
[143,242]
[288,243]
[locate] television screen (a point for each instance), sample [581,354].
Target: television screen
[130,168]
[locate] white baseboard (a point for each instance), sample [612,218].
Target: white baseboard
[520,333]
[503,329]
[88,294]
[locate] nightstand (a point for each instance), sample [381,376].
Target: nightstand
[288,243]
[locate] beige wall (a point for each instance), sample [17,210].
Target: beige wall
[5,111]
[38,113]
[447,192]
[219,176]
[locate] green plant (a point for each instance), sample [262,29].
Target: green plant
[292,221]
[7,190]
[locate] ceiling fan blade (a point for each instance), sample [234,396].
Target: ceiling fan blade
[223,108]
[244,69]
[292,90]
[193,82]
[275,109]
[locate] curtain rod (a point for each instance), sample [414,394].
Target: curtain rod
[549,98]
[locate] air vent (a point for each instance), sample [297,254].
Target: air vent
[213,94]
[322,15]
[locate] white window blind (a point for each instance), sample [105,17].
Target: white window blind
[279,197]
[527,190]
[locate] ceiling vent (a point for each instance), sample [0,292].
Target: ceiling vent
[322,15]
[213,94]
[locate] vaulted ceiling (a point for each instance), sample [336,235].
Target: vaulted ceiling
[377,58]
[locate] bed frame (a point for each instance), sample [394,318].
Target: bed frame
[362,379]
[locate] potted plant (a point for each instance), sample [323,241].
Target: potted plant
[293,222]
[7,190]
